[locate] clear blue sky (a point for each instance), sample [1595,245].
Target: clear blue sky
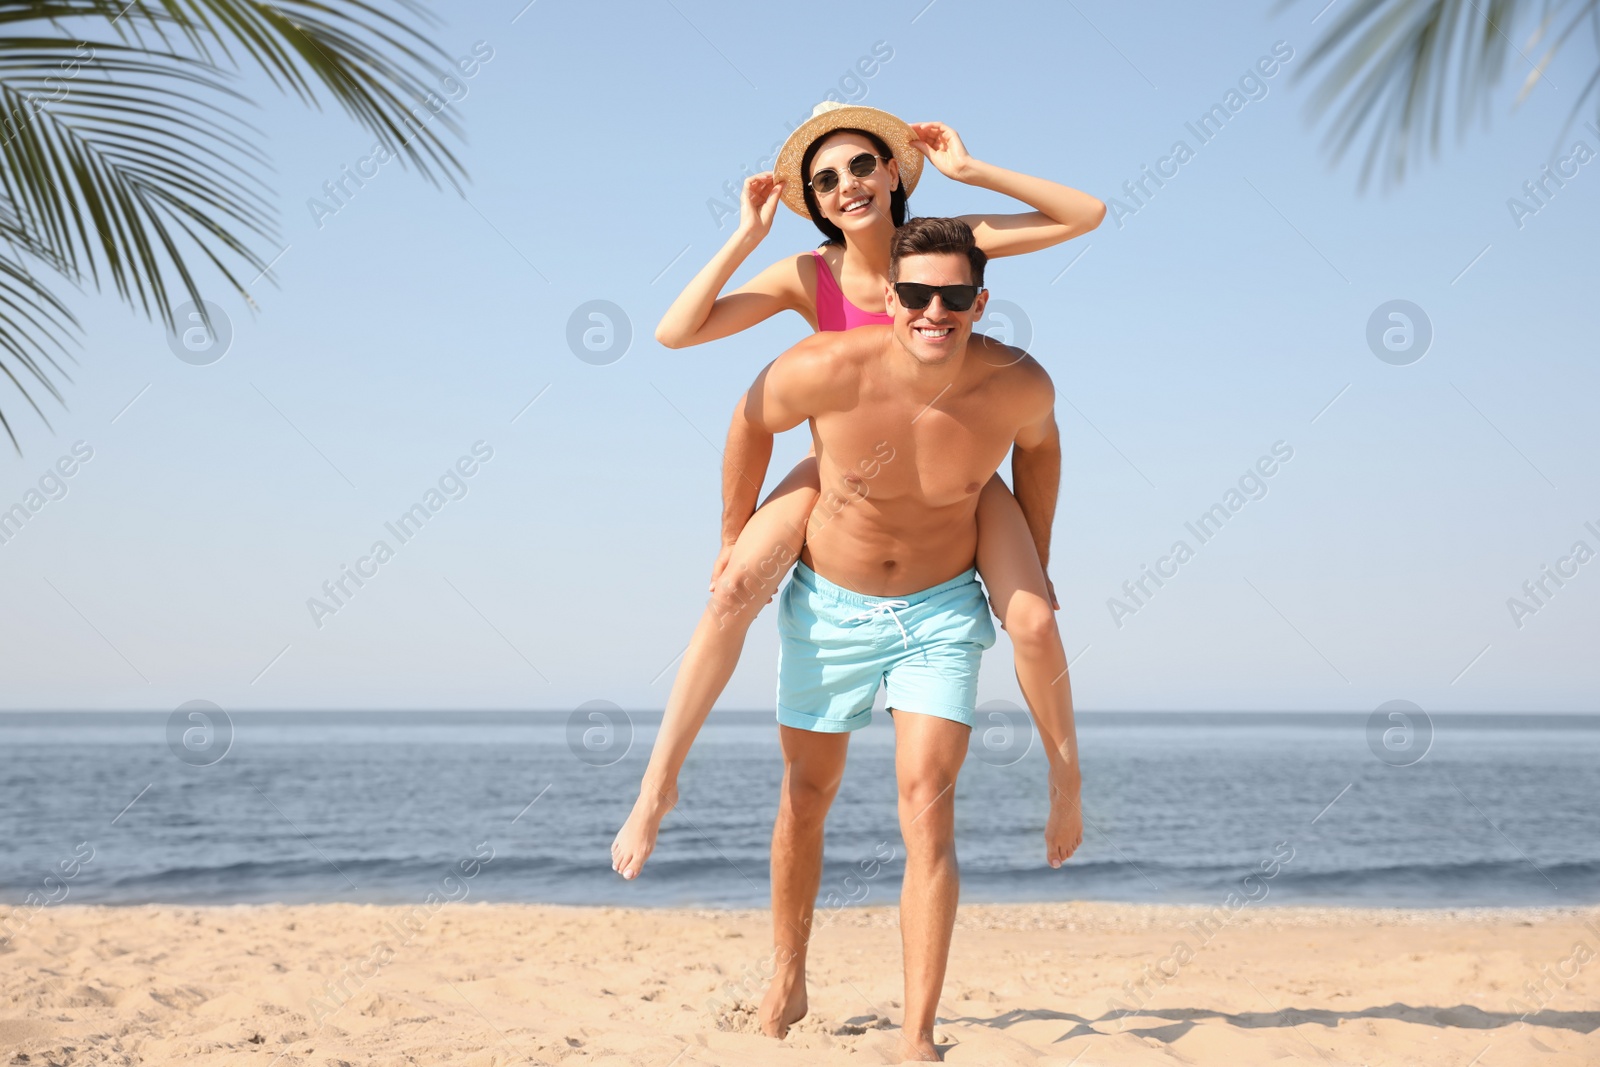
[1220,318]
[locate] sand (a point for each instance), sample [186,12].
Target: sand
[478,985]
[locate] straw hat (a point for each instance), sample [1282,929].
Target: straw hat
[829,116]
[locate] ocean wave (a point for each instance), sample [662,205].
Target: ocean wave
[743,882]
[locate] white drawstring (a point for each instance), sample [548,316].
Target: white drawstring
[886,607]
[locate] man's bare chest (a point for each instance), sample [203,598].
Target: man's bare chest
[934,454]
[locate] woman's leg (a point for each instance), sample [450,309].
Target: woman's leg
[1009,563]
[767,547]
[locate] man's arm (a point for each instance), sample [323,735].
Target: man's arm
[744,468]
[781,398]
[1036,473]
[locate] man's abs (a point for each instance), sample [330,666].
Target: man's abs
[889,549]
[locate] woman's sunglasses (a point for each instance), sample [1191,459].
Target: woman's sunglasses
[827,180]
[915,296]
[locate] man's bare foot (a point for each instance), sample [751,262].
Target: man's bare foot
[637,838]
[1063,829]
[785,1002]
[917,1048]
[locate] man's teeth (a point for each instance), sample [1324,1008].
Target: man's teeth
[928,331]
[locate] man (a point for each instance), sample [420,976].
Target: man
[910,421]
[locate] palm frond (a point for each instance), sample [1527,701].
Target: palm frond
[1388,70]
[122,146]
[96,180]
[25,299]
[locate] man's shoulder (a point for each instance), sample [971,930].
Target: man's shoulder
[837,350]
[824,371]
[1012,368]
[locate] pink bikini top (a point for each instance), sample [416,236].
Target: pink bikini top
[834,310]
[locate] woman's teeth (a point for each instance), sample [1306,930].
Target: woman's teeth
[860,204]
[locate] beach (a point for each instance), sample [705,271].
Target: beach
[1265,891]
[1042,984]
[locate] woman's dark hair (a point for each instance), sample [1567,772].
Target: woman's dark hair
[897,198]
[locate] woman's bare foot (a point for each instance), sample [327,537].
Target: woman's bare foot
[637,838]
[917,1048]
[1063,829]
[785,1002]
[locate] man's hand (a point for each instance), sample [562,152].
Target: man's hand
[723,556]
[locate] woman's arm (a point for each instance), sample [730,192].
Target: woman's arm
[701,313]
[1060,213]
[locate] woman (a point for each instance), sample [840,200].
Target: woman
[850,170]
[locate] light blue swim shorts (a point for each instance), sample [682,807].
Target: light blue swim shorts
[836,646]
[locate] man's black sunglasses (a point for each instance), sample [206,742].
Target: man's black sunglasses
[916,296]
[827,180]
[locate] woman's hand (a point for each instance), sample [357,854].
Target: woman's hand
[757,204]
[943,148]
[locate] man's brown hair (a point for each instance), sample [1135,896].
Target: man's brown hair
[921,237]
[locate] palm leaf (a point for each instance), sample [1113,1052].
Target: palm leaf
[24,298]
[123,157]
[1388,70]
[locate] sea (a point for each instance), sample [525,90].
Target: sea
[200,806]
